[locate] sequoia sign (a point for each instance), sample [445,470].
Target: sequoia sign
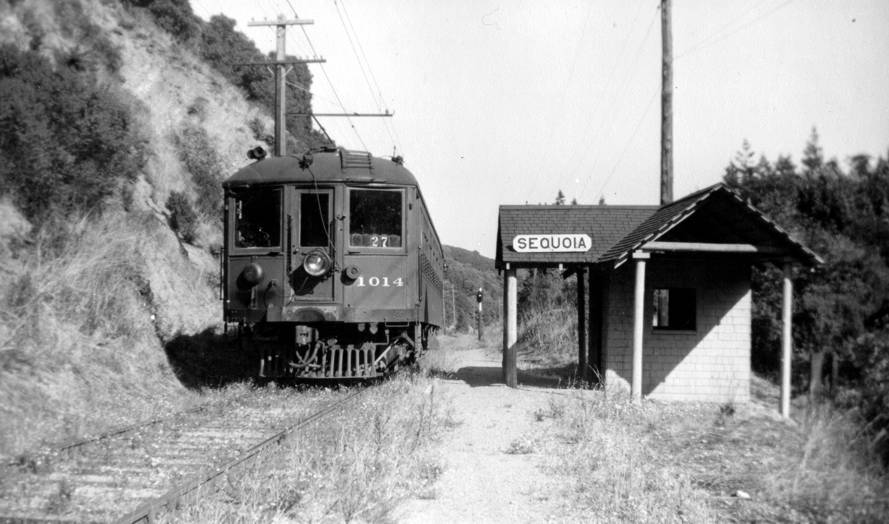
[553,243]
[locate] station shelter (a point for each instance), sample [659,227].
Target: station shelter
[664,298]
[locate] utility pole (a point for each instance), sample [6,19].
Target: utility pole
[282,67]
[666,105]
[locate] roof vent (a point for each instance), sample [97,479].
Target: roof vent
[354,159]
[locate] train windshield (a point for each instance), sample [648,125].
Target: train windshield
[375,218]
[315,213]
[258,218]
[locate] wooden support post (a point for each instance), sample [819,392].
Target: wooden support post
[582,364]
[638,324]
[786,340]
[510,327]
[595,291]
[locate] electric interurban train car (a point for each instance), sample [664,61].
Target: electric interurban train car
[331,265]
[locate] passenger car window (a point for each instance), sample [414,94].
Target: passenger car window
[375,218]
[258,218]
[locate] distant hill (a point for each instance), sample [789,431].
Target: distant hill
[467,271]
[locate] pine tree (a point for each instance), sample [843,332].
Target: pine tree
[813,155]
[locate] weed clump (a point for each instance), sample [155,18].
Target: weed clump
[355,467]
[183,219]
[205,166]
[712,463]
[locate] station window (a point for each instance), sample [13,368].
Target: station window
[258,218]
[375,218]
[674,309]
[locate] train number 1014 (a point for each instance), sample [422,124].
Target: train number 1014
[378,282]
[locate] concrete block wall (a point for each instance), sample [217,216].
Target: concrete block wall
[708,364]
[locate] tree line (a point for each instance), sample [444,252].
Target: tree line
[841,309]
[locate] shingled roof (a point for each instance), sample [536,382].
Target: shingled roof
[617,231]
[606,225]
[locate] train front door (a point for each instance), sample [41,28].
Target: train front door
[311,226]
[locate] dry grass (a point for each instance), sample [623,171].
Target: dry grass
[689,462]
[355,467]
[78,334]
[696,462]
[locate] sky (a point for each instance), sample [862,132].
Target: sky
[510,101]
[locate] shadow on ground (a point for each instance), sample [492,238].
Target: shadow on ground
[480,376]
[208,359]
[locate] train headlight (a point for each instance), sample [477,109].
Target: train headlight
[317,263]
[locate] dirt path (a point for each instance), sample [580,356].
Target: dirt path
[492,472]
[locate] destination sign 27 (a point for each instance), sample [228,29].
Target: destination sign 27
[552,243]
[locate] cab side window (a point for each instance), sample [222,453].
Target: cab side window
[258,218]
[375,218]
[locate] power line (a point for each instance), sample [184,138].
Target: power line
[329,82]
[339,15]
[722,27]
[364,65]
[612,104]
[627,144]
[552,127]
[713,41]
[373,77]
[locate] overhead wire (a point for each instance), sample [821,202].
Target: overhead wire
[363,65]
[370,70]
[733,20]
[612,104]
[552,127]
[627,144]
[738,29]
[329,81]
[717,36]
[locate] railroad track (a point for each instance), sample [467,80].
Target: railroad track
[131,474]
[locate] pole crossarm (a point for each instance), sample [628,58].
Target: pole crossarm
[302,113]
[289,61]
[281,21]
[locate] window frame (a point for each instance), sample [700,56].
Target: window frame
[233,222]
[347,241]
[693,292]
[331,212]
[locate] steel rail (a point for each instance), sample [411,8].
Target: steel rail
[147,510]
[66,446]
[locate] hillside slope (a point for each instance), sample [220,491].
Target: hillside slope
[92,295]
[467,272]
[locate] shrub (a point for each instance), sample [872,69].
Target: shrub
[204,164]
[66,143]
[173,16]
[93,48]
[183,219]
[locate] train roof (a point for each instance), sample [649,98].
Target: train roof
[340,165]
